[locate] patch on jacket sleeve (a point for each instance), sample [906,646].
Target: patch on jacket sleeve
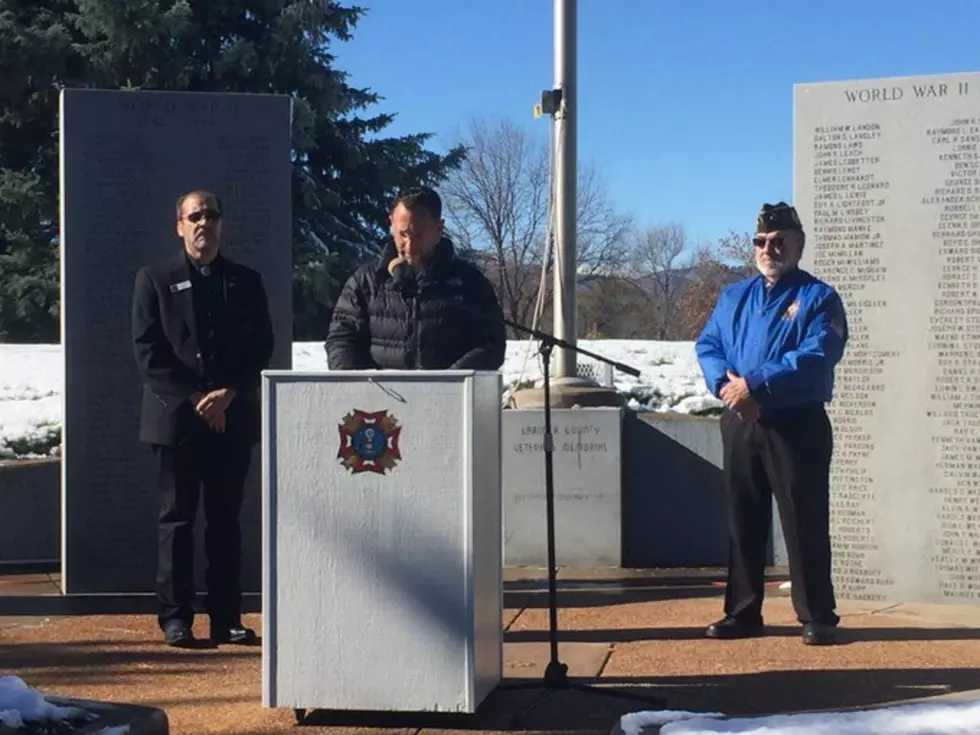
[791,310]
[837,327]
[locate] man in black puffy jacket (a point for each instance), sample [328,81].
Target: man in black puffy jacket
[419,307]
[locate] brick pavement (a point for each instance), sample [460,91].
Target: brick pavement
[638,632]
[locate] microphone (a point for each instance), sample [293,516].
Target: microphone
[403,276]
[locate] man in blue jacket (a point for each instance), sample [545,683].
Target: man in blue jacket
[769,351]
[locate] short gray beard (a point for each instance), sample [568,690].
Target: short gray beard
[774,270]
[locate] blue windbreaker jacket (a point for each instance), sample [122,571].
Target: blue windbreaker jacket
[785,340]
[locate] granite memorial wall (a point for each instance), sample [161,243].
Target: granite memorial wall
[887,182]
[126,156]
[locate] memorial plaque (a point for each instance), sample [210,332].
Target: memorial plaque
[125,159]
[887,182]
[587,479]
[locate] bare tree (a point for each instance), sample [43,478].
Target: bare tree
[736,248]
[656,260]
[730,260]
[602,233]
[497,207]
[612,308]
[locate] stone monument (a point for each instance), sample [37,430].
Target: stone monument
[887,182]
[126,156]
[587,463]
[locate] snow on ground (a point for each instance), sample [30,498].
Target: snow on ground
[670,379]
[31,380]
[952,718]
[32,377]
[20,705]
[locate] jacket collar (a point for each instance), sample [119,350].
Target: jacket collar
[181,264]
[787,280]
[435,268]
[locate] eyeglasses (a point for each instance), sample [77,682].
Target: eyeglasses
[212,214]
[776,242]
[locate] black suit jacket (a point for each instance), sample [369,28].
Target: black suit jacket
[168,358]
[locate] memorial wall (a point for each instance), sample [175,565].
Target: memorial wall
[887,182]
[126,157]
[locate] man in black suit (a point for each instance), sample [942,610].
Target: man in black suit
[201,337]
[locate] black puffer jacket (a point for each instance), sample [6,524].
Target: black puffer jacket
[376,325]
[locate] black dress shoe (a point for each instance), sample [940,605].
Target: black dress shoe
[730,628]
[178,635]
[819,634]
[235,634]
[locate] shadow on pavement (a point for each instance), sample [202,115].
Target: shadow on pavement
[776,692]
[575,593]
[846,635]
[798,691]
[532,594]
[104,660]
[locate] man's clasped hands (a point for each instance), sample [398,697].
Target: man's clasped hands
[737,397]
[211,407]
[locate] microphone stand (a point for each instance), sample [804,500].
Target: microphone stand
[556,673]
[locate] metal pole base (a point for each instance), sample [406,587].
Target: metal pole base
[556,679]
[556,673]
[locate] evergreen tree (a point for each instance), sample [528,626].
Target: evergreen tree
[35,55]
[344,172]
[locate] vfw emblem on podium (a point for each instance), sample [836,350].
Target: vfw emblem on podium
[369,442]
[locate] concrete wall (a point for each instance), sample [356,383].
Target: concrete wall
[674,499]
[672,504]
[30,511]
[673,492]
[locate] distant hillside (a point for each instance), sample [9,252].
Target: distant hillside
[679,279]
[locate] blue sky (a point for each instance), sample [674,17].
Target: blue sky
[685,107]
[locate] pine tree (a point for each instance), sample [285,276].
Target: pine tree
[35,55]
[344,172]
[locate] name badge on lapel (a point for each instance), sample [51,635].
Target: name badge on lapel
[182,286]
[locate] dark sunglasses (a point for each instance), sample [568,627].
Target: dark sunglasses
[212,214]
[777,242]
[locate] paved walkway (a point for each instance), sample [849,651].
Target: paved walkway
[640,632]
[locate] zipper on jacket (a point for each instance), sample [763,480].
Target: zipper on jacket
[417,329]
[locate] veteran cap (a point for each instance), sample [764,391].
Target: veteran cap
[779,216]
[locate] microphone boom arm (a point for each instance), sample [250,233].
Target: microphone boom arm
[552,341]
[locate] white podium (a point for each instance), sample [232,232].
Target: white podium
[381,524]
